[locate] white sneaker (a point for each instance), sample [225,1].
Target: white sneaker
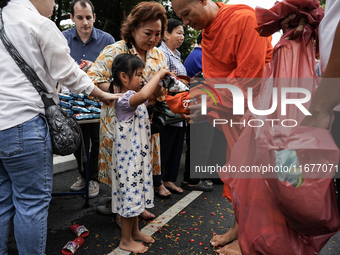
[79,184]
[93,189]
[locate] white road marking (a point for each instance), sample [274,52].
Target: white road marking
[164,218]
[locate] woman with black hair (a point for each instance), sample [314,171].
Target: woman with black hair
[172,135]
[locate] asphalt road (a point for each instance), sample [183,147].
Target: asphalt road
[188,231]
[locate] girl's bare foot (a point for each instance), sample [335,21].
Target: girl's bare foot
[231,249]
[138,236]
[132,246]
[146,215]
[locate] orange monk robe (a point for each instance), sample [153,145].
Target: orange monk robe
[232,48]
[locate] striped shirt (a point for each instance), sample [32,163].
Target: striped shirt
[173,60]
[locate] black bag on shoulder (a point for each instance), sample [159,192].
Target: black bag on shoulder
[65,132]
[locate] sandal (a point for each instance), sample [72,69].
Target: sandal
[104,201]
[80,231]
[201,186]
[72,246]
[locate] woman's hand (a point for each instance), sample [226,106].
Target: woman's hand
[88,62]
[195,113]
[104,96]
[107,97]
[162,72]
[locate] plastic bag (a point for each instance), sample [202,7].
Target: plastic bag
[281,213]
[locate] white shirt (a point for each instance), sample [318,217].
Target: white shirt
[45,49]
[327,30]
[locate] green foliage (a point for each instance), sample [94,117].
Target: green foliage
[65,26]
[323,3]
[190,34]
[111,13]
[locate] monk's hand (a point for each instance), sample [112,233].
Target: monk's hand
[195,113]
[318,120]
[285,26]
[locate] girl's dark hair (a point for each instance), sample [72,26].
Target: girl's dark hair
[172,24]
[3,3]
[127,63]
[199,38]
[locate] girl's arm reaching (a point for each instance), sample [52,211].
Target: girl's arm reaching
[148,90]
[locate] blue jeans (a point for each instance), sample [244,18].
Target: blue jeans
[26,171]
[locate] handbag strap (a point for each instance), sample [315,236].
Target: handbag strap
[24,67]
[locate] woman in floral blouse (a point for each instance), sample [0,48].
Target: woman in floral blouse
[142,30]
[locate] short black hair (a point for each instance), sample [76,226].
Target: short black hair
[127,63]
[82,3]
[172,24]
[199,38]
[3,3]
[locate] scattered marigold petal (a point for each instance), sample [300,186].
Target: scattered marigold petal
[214,233]
[160,248]
[222,216]
[206,248]
[201,243]
[192,240]
[188,233]
[183,212]
[196,228]
[213,213]
[178,234]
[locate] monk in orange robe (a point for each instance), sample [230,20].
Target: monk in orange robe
[231,48]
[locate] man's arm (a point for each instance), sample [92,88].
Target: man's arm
[327,95]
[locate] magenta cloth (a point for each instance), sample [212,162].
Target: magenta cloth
[122,106]
[274,217]
[269,20]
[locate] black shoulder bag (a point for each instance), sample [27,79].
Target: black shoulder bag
[65,132]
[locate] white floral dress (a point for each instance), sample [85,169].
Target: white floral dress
[132,187]
[101,72]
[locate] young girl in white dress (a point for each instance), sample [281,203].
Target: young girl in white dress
[132,187]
